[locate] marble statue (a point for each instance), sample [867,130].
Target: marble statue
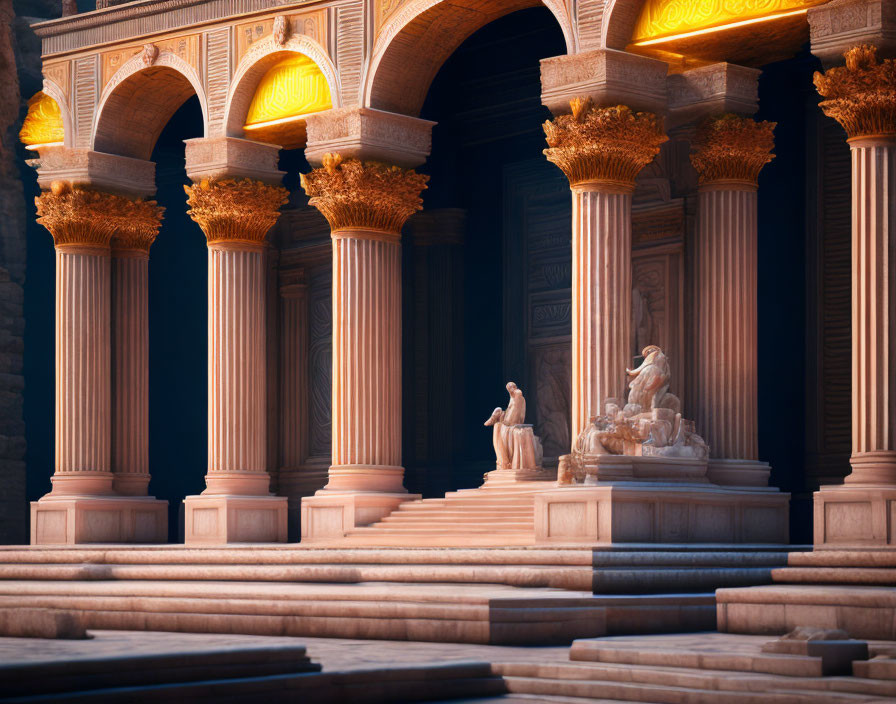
[648,424]
[516,445]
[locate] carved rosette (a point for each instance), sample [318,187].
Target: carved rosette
[603,146]
[352,194]
[80,217]
[730,148]
[861,96]
[235,212]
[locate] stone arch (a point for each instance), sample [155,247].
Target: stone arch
[256,63]
[618,24]
[413,45]
[138,102]
[68,126]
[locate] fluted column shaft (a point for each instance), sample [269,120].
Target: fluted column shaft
[861,98]
[601,299]
[236,217]
[83,437]
[601,151]
[873,319]
[366,205]
[726,349]
[130,349]
[729,153]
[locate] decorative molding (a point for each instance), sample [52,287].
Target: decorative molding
[732,149]
[235,212]
[312,25]
[606,146]
[354,194]
[186,48]
[862,95]
[60,72]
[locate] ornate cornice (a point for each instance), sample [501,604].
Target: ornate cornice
[603,146]
[732,149]
[80,217]
[861,96]
[352,194]
[235,212]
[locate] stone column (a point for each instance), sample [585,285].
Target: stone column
[729,153]
[236,505]
[601,151]
[366,204]
[862,98]
[83,506]
[130,349]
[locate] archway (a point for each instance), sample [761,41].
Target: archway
[139,101]
[414,43]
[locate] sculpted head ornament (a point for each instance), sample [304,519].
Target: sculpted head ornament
[149,55]
[281,29]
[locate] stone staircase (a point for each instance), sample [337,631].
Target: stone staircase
[509,595]
[494,514]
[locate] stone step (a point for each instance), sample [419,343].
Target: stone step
[435,523]
[884,576]
[370,686]
[669,579]
[735,557]
[458,613]
[424,528]
[124,670]
[556,576]
[470,512]
[843,558]
[864,612]
[291,555]
[683,684]
[879,668]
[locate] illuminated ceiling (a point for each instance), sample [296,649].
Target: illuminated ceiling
[290,90]
[43,123]
[749,32]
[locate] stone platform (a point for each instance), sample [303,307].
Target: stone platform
[499,595]
[853,590]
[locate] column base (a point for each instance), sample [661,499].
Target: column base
[855,516]
[738,472]
[661,512]
[74,520]
[217,519]
[330,515]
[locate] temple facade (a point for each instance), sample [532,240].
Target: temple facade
[337,341]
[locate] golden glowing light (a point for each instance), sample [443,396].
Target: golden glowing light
[667,20]
[43,123]
[290,90]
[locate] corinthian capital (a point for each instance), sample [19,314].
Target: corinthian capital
[861,96]
[368,195]
[731,148]
[607,146]
[235,212]
[81,217]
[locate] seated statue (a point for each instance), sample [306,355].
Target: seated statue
[649,423]
[516,445]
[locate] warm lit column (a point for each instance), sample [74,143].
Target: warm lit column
[130,347]
[729,153]
[601,151]
[366,205]
[862,97]
[235,217]
[81,222]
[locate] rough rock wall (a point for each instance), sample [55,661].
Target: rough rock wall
[13,526]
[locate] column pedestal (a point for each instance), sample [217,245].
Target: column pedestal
[862,512]
[236,506]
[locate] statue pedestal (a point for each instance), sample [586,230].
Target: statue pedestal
[644,468]
[661,512]
[855,516]
[330,515]
[508,477]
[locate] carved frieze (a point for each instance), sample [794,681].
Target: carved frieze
[60,73]
[186,48]
[310,24]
